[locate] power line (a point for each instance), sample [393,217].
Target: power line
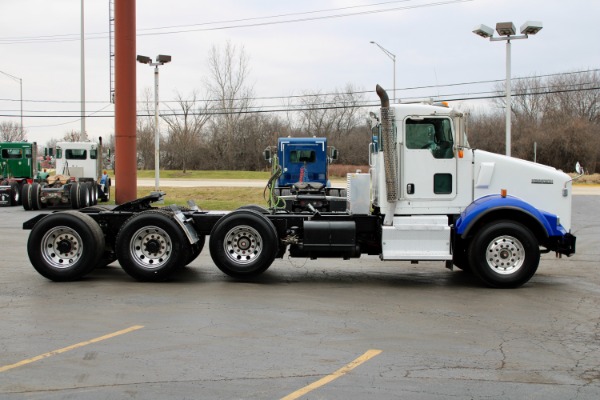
[322,106]
[289,97]
[102,35]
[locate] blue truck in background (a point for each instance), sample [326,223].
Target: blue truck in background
[300,180]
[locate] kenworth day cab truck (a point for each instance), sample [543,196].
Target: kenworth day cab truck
[428,197]
[300,177]
[18,166]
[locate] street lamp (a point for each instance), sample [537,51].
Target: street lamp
[393,57]
[160,60]
[21,90]
[507,31]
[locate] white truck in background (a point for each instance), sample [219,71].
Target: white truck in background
[79,181]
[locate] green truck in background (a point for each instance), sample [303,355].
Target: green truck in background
[18,166]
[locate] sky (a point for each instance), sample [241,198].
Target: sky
[294,47]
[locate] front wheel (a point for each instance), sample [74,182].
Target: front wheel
[504,254]
[65,246]
[243,243]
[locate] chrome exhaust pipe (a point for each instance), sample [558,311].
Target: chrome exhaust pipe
[390,160]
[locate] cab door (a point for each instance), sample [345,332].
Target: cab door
[428,159]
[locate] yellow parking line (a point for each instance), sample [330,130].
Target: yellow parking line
[68,348]
[329,378]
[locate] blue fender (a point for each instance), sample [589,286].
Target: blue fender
[495,202]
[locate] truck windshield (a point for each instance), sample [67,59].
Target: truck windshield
[9,154]
[75,154]
[303,156]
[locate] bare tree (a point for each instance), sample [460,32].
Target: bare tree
[185,128]
[560,115]
[229,89]
[331,115]
[72,136]
[12,132]
[576,95]
[145,132]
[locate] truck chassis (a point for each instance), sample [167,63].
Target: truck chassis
[152,243]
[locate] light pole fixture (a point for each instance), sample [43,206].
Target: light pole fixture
[82,73]
[393,58]
[21,91]
[507,32]
[160,60]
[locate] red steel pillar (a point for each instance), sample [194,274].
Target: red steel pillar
[125,106]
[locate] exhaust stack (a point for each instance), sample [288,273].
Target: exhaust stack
[390,160]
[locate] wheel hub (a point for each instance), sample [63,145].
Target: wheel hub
[242,244]
[64,246]
[151,247]
[505,255]
[61,247]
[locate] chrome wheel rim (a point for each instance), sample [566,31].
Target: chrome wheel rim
[505,255]
[61,247]
[243,244]
[151,247]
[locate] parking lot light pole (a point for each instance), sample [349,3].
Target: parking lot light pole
[507,32]
[21,91]
[392,56]
[160,60]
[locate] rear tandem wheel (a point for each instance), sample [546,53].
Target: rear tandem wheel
[65,246]
[244,243]
[151,246]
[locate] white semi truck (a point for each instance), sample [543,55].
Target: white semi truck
[428,197]
[79,180]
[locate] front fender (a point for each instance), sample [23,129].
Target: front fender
[495,203]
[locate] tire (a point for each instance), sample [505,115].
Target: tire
[36,196]
[84,195]
[65,246]
[254,207]
[26,196]
[504,254]
[151,246]
[15,194]
[93,193]
[243,244]
[74,196]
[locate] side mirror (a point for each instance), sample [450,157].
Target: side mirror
[334,154]
[267,154]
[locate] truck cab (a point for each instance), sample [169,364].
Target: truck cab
[17,160]
[301,177]
[437,194]
[18,165]
[77,159]
[303,160]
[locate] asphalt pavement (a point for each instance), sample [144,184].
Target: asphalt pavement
[308,329]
